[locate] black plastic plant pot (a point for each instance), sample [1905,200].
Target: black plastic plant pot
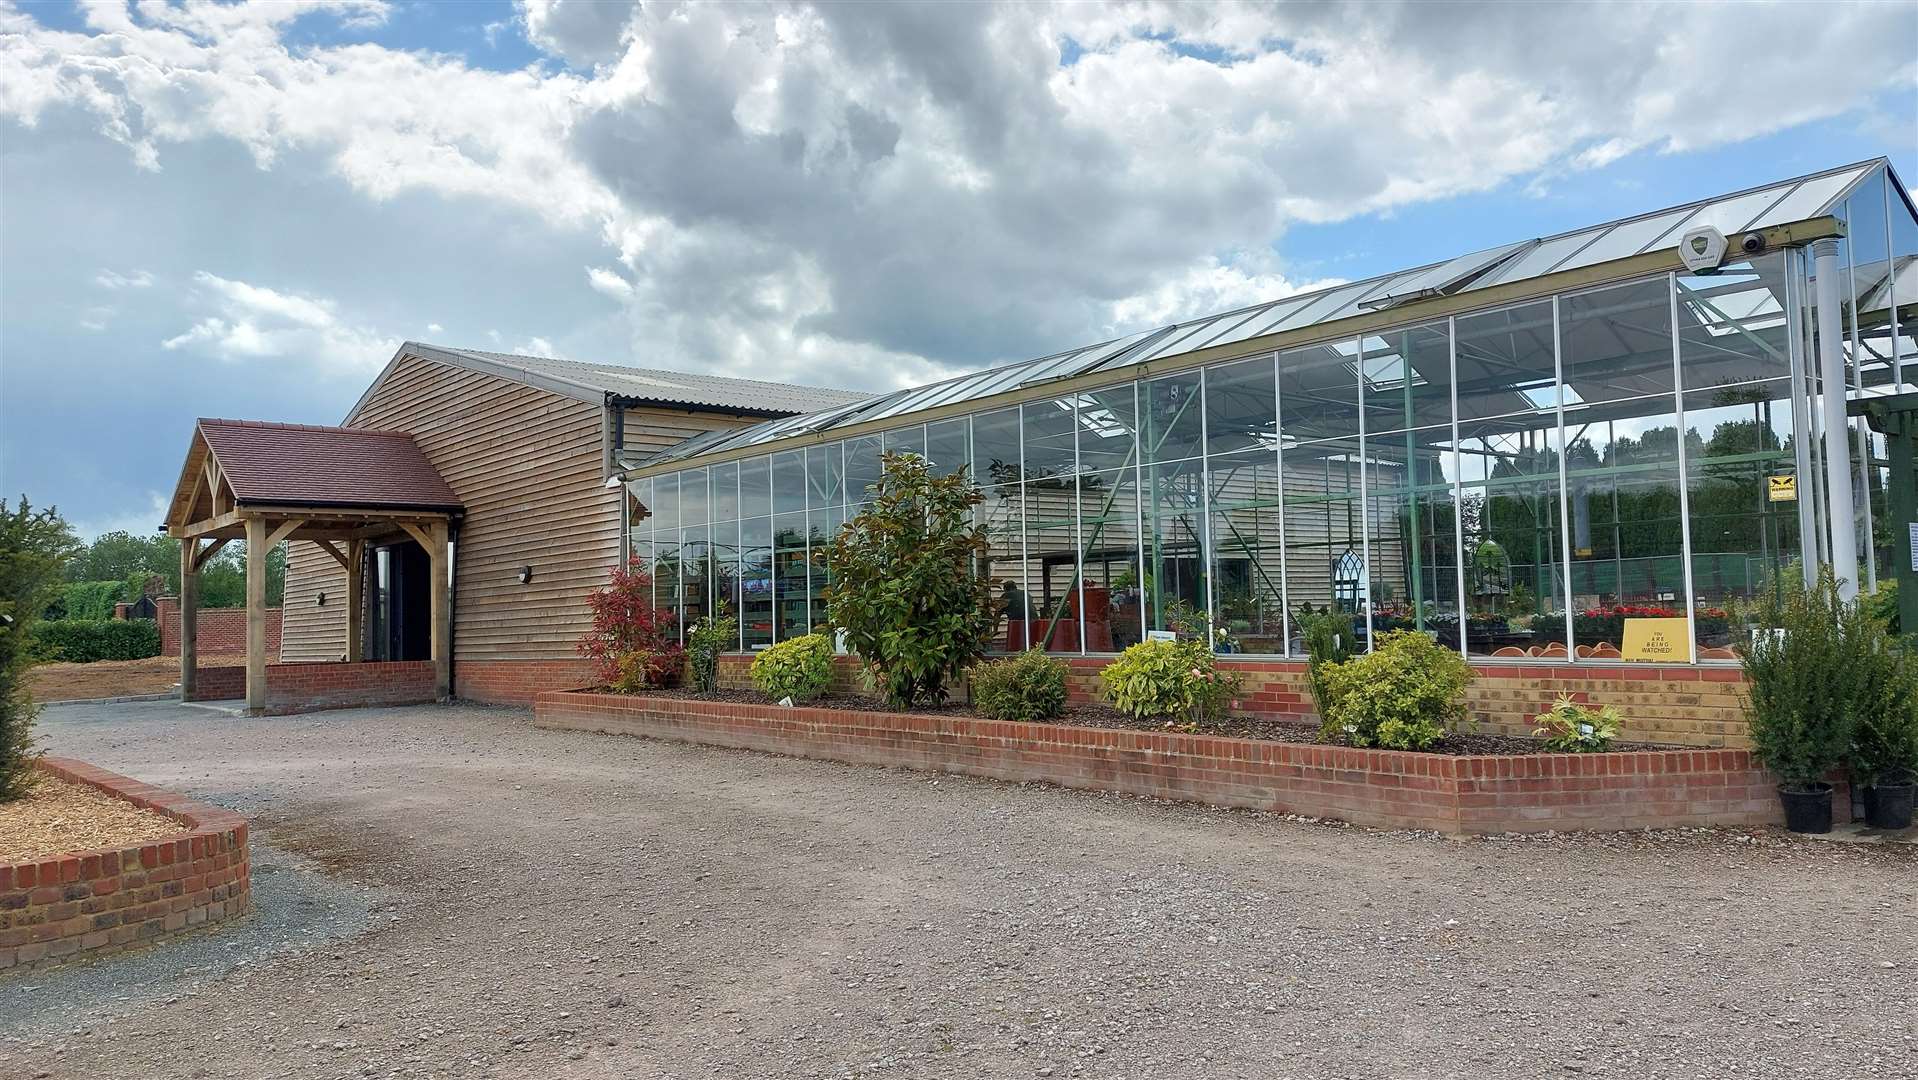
[1809,810]
[1889,806]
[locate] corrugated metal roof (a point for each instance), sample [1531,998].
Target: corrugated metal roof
[302,465]
[666,387]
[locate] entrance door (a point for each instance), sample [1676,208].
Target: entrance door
[401,624]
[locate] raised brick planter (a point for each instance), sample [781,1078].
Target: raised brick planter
[92,902]
[1451,794]
[299,688]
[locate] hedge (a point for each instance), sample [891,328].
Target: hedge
[83,641]
[89,600]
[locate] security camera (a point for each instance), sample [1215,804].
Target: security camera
[1752,244]
[1703,249]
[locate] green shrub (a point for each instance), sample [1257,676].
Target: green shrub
[1403,695]
[88,600]
[1801,677]
[1883,604]
[1884,714]
[709,637]
[1170,679]
[34,544]
[1328,640]
[1571,728]
[83,641]
[903,587]
[798,668]
[1030,686]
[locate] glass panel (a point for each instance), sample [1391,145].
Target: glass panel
[825,476]
[1871,356]
[1172,425]
[1247,582]
[862,468]
[1109,535]
[1413,533]
[1732,326]
[995,447]
[1809,198]
[821,526]
[755,487]
[693,497]
[666,594]
[1627,532]
[1904,250]
[1002,513]
[696,573]
[1050,452]
[1506,362]
[756,581]
[1107,423]
[1407,376]
[789,482]
[1241,409]
[1513,543]
[1628,238]
[1175,547]
[1736,439]
[910,440]
[1617,343]
[639,510]
[666,504]
[725,502]
[1318,393]
[1324,540]
[949,445]
[1052,570]
[790,590]
[725,568]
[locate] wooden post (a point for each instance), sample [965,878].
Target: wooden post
[189,617]
[355,600]
[256,546]
[442,611]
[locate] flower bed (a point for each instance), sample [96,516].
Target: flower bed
[1460,794]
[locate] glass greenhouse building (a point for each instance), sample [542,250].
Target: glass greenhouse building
[1516,450]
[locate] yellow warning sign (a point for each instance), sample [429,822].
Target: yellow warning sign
[1657,639]
[1782,488]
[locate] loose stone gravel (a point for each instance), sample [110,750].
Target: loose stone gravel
[519,903]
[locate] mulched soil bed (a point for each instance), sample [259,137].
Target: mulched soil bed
[59,817]
[1080,714]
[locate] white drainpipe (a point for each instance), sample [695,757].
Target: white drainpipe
[1831,367]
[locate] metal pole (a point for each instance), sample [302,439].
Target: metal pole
[1801,418]
[1831,365]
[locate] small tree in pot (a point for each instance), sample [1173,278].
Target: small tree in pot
[1802,683]
[1884,738]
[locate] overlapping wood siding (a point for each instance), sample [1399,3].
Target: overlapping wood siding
[527,465]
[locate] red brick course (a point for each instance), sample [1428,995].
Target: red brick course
[1451,794]
[517,682]
[86,903]
[221,630]
[298,688]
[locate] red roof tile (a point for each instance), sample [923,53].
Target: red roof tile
[298,465]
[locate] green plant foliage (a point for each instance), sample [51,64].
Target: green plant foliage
[1404,695]
[628,630]
[903,587]
[709,637]
[1884,712]
[1177,680]
[1571,728]
[34,544]
[1030,686]
[1883,604]
[1801,677]
[635,670]
[799,668]
[1328,640]
[87,600]
[83,641]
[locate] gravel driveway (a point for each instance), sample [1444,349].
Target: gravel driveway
[445,891]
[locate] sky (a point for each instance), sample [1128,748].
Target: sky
[216,209]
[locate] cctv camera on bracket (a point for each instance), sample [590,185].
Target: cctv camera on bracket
[1702,249]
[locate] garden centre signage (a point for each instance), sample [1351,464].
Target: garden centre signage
[1657,639]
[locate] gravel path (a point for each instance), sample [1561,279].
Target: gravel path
[448,892]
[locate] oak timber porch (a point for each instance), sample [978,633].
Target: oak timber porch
[350,492]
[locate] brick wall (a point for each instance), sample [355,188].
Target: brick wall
[1370,787]
[298,688]
[1683,706]
[516,682]
[221,630]
[92,902]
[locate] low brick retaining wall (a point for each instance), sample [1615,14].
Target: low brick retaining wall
[298,688]
[1395,789]
[92,902]
[517,682]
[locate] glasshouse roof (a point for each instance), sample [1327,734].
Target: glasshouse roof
[1799,199]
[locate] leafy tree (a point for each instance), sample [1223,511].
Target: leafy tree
[632,643]
[34,544]
[117,556]
[902,587]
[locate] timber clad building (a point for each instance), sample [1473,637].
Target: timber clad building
[1527,451]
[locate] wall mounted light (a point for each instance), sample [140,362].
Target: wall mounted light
[525,575]
[320,600]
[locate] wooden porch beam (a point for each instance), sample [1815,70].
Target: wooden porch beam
[338,555]
[283,530]
[256,547]
[206,553]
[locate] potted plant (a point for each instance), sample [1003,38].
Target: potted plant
[1799,693]
[1884,739]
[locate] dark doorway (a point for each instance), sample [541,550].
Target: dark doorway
[399,626]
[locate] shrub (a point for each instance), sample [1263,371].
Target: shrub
[84,641]
[1328,640]
[709,637]
[1170,679]
[1884,714]
[1030,686]
[34,544]
[799,668]
[903,587]
[1571,728]
[1402,696]
[1800,678]
[91,600]
[632,643]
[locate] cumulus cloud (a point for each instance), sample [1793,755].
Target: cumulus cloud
[609,282]
[255,322]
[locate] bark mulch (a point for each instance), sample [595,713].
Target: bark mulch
[1089,715]
[59,817]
